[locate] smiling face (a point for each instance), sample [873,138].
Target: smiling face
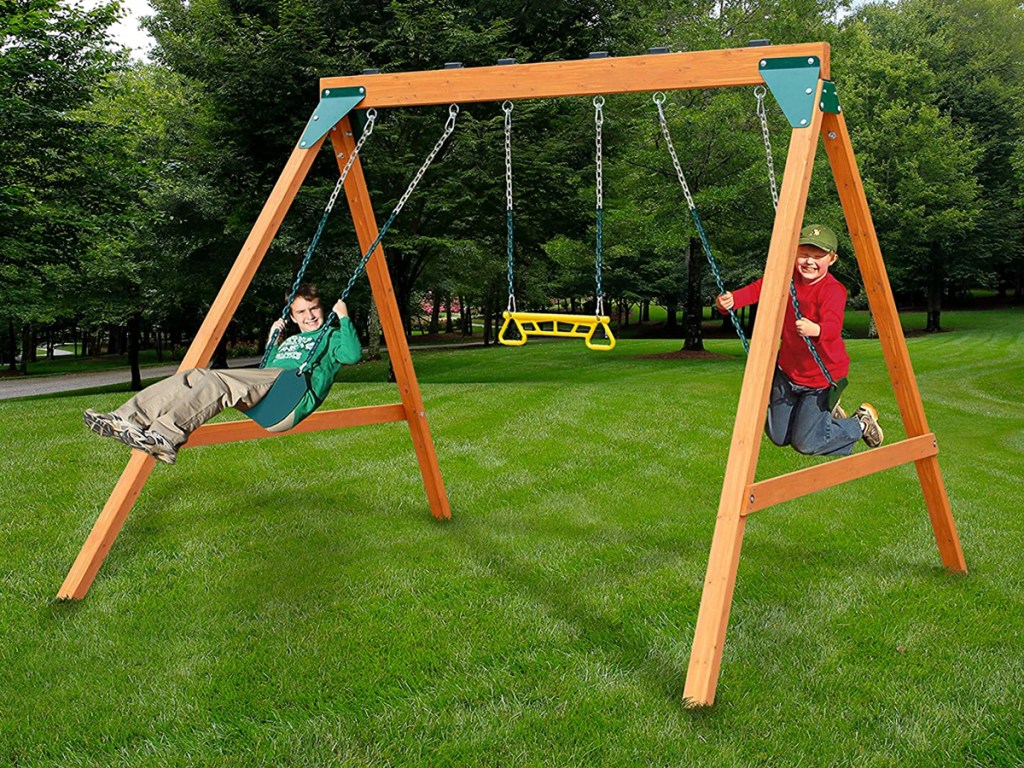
[812,263]
[307,314]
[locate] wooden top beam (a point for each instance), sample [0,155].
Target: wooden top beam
[584,77]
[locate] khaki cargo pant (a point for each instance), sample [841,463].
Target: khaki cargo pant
[180,404]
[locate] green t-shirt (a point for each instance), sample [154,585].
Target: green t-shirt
[340,346]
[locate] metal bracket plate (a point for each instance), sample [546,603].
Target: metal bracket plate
[793,81]
[830,98]
[334,104]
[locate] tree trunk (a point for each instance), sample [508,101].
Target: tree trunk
[402,298]
[26,346]
[435,313]
[134,323]
[448,315]
[872,327]
[12,347]
[373,333]
[488,320]
[935,283]
[671,315]
[220,354]
[693,332]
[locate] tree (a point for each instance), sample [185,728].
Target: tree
[965,56]
[918,166]
[129,267]
[51,54]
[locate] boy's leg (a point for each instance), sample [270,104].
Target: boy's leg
[815,432]
[178,405]
[781,403]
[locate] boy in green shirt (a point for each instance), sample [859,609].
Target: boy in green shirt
[159,419]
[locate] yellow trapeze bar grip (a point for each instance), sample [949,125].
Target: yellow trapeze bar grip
[610,345]
[510,318]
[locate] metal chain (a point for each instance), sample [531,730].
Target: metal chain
[759,93]
[449,126]
[371,119]
[659,100]
[599,187]
[507,109]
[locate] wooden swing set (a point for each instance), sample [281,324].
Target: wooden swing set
[798,77]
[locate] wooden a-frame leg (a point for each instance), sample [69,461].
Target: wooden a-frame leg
[391,323]
[890,333]
[723,562]
[127,490]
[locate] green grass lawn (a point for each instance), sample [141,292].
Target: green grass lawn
[291,602]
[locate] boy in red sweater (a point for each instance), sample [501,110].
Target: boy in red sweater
[798,412]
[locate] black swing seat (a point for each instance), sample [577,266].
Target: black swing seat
[288,389]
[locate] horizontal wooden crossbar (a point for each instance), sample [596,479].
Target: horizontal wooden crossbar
[235,431]
[584,77]
[776,490]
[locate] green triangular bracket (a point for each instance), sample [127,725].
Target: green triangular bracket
[830,98]
[334,104]
[793,81]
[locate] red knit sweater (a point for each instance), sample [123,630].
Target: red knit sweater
[824,303]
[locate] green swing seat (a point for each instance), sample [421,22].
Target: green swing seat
[289,388]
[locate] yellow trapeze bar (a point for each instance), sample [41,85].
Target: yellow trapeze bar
[554,324]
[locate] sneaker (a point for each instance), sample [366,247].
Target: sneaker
[838,413]
[105,424]
[150,441]
[132,435]
[868,418]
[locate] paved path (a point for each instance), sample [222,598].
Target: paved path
[69,382]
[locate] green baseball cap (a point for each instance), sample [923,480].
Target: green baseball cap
[819,236]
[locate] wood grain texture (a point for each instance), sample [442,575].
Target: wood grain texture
[583,77]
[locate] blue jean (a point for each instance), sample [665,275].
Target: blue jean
[799,416]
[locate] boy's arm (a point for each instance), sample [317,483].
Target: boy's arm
[742,297]
[833,308]
[346,347]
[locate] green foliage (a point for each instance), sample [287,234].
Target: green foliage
[51,55]
[918,166]
[961,59]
